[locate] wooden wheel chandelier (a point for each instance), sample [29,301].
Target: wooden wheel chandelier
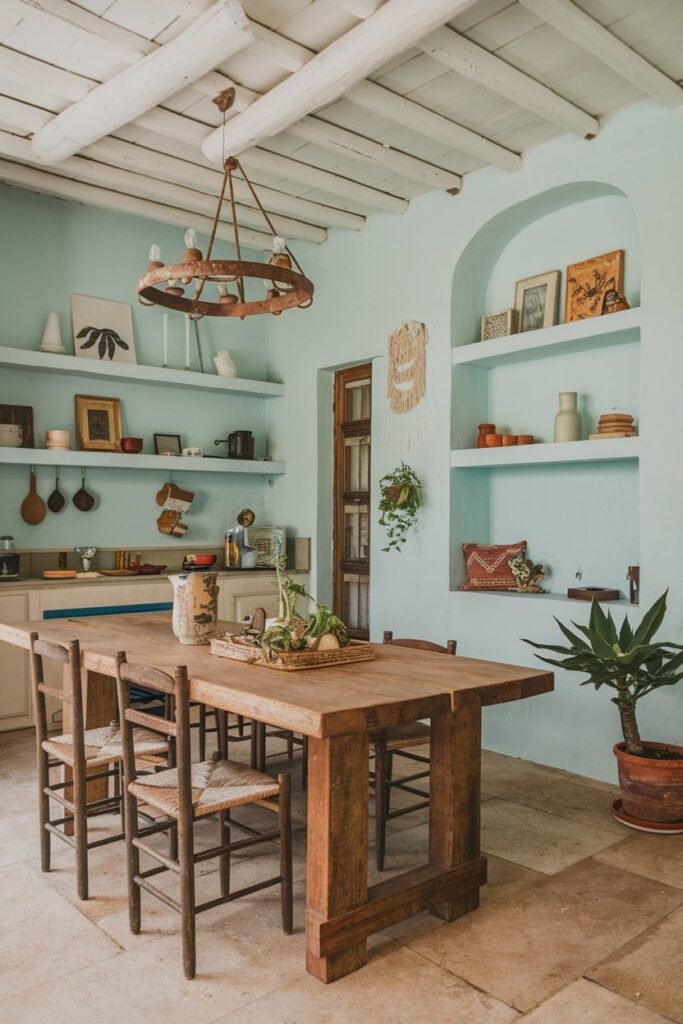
[164,284]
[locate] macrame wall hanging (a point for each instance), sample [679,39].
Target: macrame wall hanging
[407,385]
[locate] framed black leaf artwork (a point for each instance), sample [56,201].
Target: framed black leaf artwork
[103,329]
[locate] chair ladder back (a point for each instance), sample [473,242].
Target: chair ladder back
[70,657]
[420,645]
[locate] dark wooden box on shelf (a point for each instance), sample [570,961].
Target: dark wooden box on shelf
[588,593]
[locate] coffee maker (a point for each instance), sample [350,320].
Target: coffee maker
[9,559]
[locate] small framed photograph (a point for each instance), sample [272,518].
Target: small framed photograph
[167,444]
[103,329]
[498,325]
[588,283]
[98,423]
[536,301]
[269,541]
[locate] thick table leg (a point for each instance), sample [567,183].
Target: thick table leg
[337,846]
[455,794]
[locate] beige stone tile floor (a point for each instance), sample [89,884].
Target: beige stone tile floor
[581,923]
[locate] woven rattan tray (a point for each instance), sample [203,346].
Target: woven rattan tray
[239,650]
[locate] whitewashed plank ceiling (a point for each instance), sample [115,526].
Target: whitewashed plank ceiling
[500,77]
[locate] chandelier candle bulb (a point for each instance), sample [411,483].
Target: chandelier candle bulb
[164,319]
[187,341]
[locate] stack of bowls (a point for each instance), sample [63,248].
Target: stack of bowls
[58,440]
[11,435]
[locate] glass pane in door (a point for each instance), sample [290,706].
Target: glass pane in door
[356,532]
[357,400]
[357,464]
[356,598]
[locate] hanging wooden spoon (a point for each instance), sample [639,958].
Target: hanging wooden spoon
[82,499]
[56,501]
[33,508]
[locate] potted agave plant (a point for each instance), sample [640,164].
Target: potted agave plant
[633,665]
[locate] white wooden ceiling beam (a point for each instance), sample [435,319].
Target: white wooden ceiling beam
[53,184]
[476,63]
[25,70]
[169,168]
[335,70]
[350,145]
[573,23]
[211,39]
[360,8]
[21,117]
[390,105]
[131,45]
[131,183]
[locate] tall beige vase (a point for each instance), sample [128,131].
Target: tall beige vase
[568,419]
[195,606]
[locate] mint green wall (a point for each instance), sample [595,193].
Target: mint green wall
[404,268]
[52,248]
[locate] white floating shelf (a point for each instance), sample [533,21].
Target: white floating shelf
[577,336]
[119,460]
[621,602]
[621,448]
[134,373]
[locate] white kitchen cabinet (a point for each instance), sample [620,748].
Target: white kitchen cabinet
[16,711]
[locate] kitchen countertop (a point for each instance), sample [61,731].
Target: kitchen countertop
[36,583]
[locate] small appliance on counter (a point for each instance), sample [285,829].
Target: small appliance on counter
[240,444]
[9,559]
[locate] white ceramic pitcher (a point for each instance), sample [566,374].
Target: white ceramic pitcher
[195,606]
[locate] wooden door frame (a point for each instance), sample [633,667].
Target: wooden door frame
[363,371]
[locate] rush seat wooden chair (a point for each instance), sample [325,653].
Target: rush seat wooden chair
[400,741]
[186,793]
[78,752]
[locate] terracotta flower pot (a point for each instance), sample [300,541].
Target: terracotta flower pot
[394,494]
[651,788]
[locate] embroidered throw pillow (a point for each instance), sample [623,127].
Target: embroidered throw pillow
[487,565]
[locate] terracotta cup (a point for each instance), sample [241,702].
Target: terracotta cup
[509,439]
[525,438]
[494,440]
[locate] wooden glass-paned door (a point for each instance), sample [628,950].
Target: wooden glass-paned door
[352,412]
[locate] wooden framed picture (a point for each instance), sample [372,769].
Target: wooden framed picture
[589,281]
[103,329]
[167,444]
[536,301]
[498,325]
[98,423]
[269,541]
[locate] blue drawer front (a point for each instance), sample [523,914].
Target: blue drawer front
[111,609]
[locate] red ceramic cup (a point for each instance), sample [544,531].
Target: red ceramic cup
[131,445]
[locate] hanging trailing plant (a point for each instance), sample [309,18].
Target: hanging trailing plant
[400,499]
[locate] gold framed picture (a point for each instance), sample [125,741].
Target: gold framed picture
[98,423]
[589,281]
[536,301]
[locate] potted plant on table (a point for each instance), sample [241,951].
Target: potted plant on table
[633,665]
[400,498]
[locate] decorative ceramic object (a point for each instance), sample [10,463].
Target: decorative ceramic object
[52,336]
[195,607]
[526,574]
[131,445]
[225,366]
[11,435]
[568,419]
[58,440]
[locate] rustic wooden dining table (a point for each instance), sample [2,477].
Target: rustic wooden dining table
[337,708]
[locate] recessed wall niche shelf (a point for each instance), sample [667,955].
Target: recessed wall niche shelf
[135,373]
[579,336]
[623,448]
[119,460]
[576,504]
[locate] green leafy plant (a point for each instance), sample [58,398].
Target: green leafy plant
[623,659]
[400,499]
[291,631]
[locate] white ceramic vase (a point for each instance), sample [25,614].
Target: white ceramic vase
[225,366]
[52,336]
[195,607]
[568,419]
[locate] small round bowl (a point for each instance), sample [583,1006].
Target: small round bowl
[11,435]
[204,559]
[494,440]
[509,439]
[131,445]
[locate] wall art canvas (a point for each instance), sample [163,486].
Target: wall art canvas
[103,329]
[498,325]
[589,281]
[536,301]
